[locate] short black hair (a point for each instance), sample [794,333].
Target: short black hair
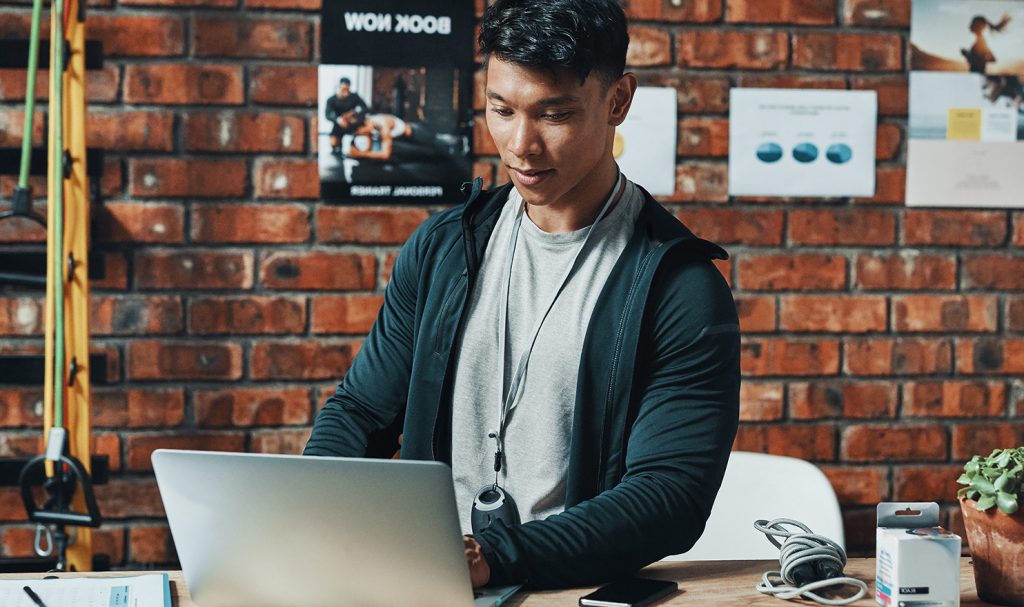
[345,80]
[582,35]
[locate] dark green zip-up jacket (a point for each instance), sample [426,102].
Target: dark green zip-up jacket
[657,394]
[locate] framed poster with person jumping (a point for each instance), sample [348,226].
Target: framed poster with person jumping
[395,100]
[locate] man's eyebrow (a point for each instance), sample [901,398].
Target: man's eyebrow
[560,100]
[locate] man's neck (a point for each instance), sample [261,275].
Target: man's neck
[572,213]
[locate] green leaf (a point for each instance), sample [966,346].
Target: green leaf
[1007,503]
[1001,482]
[1003,459]
[971,467]
[962,492]
[984,485]
[986,502]
[964,480]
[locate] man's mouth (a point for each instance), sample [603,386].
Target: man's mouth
[529,177]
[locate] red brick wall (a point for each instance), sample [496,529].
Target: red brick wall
[881,343]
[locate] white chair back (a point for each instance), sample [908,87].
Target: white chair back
[762,486]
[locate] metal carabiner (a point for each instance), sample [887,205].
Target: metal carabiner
[37,545]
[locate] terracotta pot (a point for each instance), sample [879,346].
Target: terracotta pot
[997,549]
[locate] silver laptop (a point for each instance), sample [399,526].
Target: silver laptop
[286,530]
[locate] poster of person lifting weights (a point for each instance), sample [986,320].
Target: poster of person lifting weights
[966,132]
[394,111]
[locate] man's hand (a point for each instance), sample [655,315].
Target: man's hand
[479,570]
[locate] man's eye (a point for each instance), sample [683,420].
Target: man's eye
[501,111]
[556,117]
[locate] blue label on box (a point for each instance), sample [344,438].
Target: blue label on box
[118,596]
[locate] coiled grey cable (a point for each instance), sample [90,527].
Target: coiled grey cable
[809,562]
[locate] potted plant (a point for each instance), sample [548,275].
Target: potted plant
[991,502]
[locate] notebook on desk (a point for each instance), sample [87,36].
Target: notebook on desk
[274,530]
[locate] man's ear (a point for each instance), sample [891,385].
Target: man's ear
[622,98]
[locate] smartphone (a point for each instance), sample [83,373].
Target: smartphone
[632,592]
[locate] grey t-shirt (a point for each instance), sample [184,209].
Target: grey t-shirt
[539,428]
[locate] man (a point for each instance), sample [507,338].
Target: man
[341,110]
[564,329]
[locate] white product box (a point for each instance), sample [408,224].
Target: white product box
[917,562]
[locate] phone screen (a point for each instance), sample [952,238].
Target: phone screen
[632,592]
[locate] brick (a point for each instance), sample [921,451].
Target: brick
[138,408]
[882,442]
[858,485]
[288,442]
[183,3]
[193,269]
[319,270]
[181,177]
[250,223]
[890,187]
[245,407]
[735,226]
[954,398]
[109,444]
[848,52]
[766,357]
[701,182]
[21,230]
[231,131]
[140,447]
[1018,229]
[130,498]
[135,315]
[648,46]
[888,141]
[694,11]
[892,91]
[945,313]
[796,12]
[22,316]
[366,225]
[704,137]
[102,86]
[246,315]
[724,267]
[11,507]
[163,360]
[832,400]
[877,13]
[842,226]
[386,267]
[792,272]
[804,441]
[286,5]
[151,544]
[1015,313]
[996,272]
[926,483]
[140,222]
[115,272]
[851,314]
[756,49]
[907,269]
[761,401]
[12,127]
[756,314]
[180,83]
[292,85]
[905,356]
[278,38]
[137,35]
[16,542]
[302,360]
[783,80]
[959,227]
[696,93]
[21,445]
[990,356]
[21,407]
[981,438]
[129,131]
[345,314]
[277,178]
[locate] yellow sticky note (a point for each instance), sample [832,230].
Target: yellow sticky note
[964,124]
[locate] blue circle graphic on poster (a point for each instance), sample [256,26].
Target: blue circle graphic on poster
[839,153]
[769,152]
[805,152]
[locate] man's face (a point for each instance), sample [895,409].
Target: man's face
[553,134]
[344,89]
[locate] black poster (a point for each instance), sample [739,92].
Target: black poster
[395,100]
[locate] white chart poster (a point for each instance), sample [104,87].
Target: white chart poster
[966,138]
[794,142]
[645,143]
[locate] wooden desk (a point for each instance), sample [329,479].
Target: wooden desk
[719,583]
